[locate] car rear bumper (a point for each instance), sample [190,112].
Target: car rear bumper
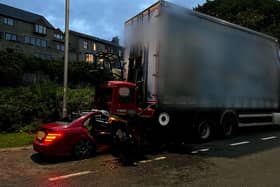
[51,150]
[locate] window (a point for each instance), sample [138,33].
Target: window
[35,41]
[103,98]
[60,47]
[94,46]
[38,42]
[8,21]
[89,58]
[10,37]
[44,43]
[26,39]
[40,29]
[126,95]
[120,53]
[32,41]
[86,123]
[58,36]
[85,44]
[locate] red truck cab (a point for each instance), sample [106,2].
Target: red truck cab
[117,97]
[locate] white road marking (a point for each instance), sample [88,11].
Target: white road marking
[150,160]
[269,138]
[200,150]
[160,158]
[194,152]
[145,161]
[204,150]
[69,175]
[239,143]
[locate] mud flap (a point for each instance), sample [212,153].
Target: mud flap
[276,118]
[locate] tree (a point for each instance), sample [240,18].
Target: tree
[259,15]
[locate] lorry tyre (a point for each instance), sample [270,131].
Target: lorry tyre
[161,126]
[164,119]
[204,131]
[229,124]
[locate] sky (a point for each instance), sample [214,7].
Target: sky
[101,18]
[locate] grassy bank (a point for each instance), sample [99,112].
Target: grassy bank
[15,139]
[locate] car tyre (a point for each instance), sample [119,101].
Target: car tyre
[84,149]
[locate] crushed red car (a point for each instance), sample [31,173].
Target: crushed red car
[81,138]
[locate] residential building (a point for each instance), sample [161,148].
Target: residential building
[32,34]
[87,48]
[29,33]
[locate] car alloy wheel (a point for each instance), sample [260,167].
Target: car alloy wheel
[83,149]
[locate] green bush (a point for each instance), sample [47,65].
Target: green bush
[33,104]
[25,107]
[79,99]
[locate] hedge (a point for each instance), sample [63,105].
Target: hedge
[27,106]
[24,105]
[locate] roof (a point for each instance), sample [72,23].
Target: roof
[57,30]
[145,10]
[22,15]
[94,38]
[168,4]
[121,83]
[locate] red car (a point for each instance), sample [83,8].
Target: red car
[81,137]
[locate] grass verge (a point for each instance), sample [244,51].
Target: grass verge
[15,139]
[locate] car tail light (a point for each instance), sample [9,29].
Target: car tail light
[52,137]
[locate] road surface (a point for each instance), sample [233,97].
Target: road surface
[251,159]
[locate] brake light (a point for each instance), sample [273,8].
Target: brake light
[51,137]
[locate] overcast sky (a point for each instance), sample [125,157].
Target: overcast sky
[101,18]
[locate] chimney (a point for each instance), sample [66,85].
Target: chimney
[115,40]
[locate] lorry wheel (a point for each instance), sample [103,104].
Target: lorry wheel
[229,125]
[204,130]
[164,119]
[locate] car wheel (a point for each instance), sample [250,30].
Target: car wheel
[84,149]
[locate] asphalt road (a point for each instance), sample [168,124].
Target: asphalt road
[251,159]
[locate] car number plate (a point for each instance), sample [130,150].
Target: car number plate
[40,135]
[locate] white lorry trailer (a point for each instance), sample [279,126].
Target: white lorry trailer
[202,72]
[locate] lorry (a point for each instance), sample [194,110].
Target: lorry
[190,73]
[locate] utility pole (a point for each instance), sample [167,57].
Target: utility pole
[66,42]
